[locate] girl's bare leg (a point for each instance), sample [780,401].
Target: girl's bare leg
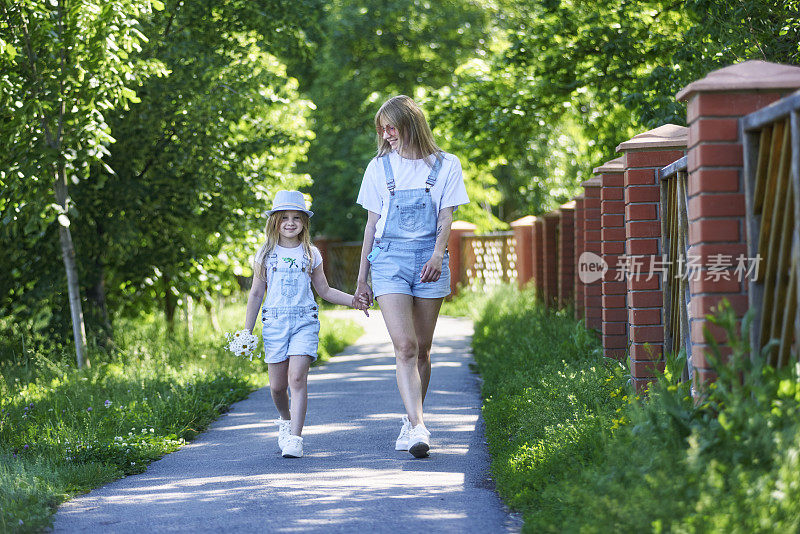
[278,382]
[397,310]
[425,314]
[298,384]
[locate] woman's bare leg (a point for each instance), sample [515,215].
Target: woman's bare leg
[397,310]
[298,384]
[425,314]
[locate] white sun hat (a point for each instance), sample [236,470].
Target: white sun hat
[289,200]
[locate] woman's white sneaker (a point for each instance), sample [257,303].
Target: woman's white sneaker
[284,431]
[419,441]
[293,447]
[402,440]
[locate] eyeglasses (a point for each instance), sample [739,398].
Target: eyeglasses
[391,130]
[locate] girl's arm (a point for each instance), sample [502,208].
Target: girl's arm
[254,300]
[334,296]
[363,291]
[433,267]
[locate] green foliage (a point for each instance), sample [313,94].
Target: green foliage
[566,81]
[575,451]
[369,51]
[64,431]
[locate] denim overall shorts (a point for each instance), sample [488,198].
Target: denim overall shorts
[408,239]
[289,313]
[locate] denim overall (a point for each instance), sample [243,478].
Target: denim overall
[289,313]
[408,240]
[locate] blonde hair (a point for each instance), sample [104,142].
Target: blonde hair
[272,234]
[412,128]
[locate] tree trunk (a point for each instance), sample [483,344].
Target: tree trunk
[212,315]
[96,293]
[73,287]
[169,304]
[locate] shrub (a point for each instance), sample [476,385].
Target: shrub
[575,451]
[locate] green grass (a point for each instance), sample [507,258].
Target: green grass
[575,451]
[64,431]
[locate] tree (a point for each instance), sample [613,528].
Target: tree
[199,156]
[368,51]
[65,64]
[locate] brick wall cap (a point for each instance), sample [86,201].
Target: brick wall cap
[569,205]
[463,225]
[551,214]
[528,220]
[748,75]
[592,182]
[612,165]
[579,197]
[668,135]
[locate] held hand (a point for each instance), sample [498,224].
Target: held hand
[360,304]
[432,269]
[364,294]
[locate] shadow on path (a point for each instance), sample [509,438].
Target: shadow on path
[232,478]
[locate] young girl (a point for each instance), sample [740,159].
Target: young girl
[284,268]
[410,191]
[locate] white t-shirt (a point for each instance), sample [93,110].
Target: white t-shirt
[288,258]
[448,190]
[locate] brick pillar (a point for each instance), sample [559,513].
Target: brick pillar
[644,155]
[457,230]
[566,254]
[592,297]
[537,255]
[550,254]
[614,319]
[715,188]
[523,244]
[578,240]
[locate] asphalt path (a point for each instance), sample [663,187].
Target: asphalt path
[232,477]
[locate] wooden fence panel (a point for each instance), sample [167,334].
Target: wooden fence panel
[772,184]
[675,247]
[488,260]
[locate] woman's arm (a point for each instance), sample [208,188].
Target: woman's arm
[334,296]
[254,300]
[363,291]
[432,269]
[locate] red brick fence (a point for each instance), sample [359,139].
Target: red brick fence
[684,217]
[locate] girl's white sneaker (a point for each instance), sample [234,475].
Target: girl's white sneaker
[284,431]
[293,447]
[402,440]
[419,441]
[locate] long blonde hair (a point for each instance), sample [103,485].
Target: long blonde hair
[272,235]
[412,128]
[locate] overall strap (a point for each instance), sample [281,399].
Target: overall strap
[387,169]
[437,166]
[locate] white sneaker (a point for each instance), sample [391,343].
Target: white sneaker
[293,447]
[284,431]
[419,441]
[402,440]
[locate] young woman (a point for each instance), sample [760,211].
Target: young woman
[410,190]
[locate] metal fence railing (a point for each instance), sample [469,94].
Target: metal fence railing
[772,183]
[675,247]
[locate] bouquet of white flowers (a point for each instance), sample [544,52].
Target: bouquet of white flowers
[242,343]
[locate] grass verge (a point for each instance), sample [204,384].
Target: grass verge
[576,451]
[65,431]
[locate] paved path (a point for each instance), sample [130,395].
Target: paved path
[232,478]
